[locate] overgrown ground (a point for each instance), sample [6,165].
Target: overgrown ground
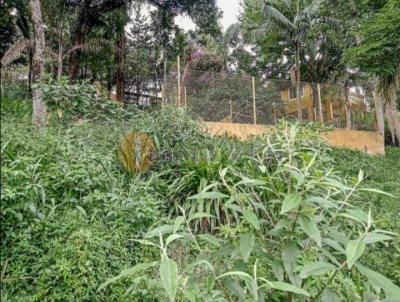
[381,172]
[70,214]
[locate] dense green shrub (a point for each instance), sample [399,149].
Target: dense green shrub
[288,230]
[68,212]
[80,101]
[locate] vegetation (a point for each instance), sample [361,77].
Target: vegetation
[267,219]
[127,200]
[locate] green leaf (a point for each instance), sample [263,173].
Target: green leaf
[128,272]
[199,215]
[290,202]
[376,191]
[163,229]
[310,228]
[177,223]
[241,275]
[377,279]
[357,214]
[289,254]
[209,195]
[315,269]
[246,245]
[374,237]
[277,269]
[234,287]
[287,287]
[335,245]
[82,210]
[145,242]
[354,250]
[329,296]
[251,182]
[169,276]
[251,218]
[172,238]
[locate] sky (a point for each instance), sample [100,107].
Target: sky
[230,10]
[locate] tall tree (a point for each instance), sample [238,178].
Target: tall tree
[39,107]
[378,53]
[90,13]
[290,21]
[122,20]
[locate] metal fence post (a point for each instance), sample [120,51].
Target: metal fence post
[230,111]
[254,101]
[162,95]
[179,81]
[320,105]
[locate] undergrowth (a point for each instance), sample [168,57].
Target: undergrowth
[72,217]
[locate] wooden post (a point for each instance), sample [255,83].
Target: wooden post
[230,111]
[254,101]
[185,98]
[331,110]
[320,105]
[315,114]
[179,81]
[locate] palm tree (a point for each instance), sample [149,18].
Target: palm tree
[289,19]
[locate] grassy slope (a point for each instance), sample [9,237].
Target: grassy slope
[65,243]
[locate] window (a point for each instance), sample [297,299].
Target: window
[304,113]
[293,91]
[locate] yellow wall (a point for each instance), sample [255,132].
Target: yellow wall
[366,141]
[305,100]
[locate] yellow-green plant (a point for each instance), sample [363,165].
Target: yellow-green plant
[136,151]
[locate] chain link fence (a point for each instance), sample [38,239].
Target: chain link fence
[238,98]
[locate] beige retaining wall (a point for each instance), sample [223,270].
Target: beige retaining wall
[366,141]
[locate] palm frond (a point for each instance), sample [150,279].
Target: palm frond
[15,51]
[272,13]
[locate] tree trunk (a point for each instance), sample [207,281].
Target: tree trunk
[299,112]
[120,56]
[78,40]
[347,107]
[30,58]
[60,56]
[187,69]
[138,91]
[392,116]
[39,107]
[380,120]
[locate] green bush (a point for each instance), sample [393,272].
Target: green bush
[285,227]
[68,213]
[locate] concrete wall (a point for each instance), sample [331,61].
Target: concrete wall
[366,141]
